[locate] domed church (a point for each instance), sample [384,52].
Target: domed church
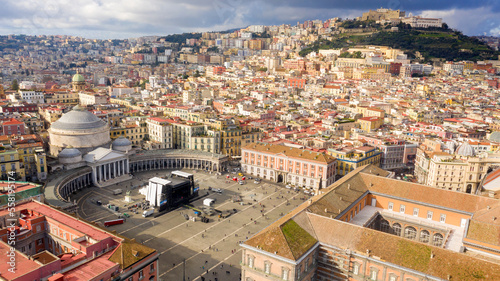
[78,82]
[78,129]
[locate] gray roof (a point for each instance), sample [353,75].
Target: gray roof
[465,149]
[78,119]
[121,141]
[69,153]
[495,136]
[102,154]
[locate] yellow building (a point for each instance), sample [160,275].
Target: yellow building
[32,157]
[135,133]
[116,132]
[416,115]
[10,164]
[369,124]
[371,111]
[349,158]
[128,102]
[64,97]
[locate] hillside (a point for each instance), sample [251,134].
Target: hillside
[431,44]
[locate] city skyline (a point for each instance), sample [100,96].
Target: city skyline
[92,19]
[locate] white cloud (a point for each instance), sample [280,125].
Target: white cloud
[471,21]
[125,18]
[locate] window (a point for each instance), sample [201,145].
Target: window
[391,206]
[437,240]
[267,267]
[373,274]
[415,212]
[284,274]
[396,229]
[442,218]
[424,236]
[410,232]
[385,226]
[131,278]
[250,261]
[299,272]
[355,269]
[152,267]
[141,275]
[393,278]
[402,209]
[429,215]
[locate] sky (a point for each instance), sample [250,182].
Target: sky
[118,19]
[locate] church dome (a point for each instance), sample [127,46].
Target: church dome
[69,153]
[122,144]
[78,119]
[495,137]
[465,149]
[78,78]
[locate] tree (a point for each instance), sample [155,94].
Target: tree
[15,85]
[196,74]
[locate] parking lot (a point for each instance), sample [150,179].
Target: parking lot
[199,249]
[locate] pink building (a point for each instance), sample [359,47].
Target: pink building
[52,245]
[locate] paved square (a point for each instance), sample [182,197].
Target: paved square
[208,249]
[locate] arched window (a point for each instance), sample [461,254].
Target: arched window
[410,232]
[385,226]
[396,229]
[437,240]
[424,236]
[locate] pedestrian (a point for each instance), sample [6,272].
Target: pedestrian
[173,265]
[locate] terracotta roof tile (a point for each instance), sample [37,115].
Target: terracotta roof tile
[291,152]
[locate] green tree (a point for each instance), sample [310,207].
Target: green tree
[15,85]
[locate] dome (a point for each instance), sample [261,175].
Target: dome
[121,141]
[78,119]
[495,137]
[78,78]
[465,149]
[122,144]
[69,153]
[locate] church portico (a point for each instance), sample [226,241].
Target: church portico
[108,166]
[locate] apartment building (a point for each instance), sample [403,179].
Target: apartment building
[462,171]
[396,153]
[290,165]
[367,226]
[160,133]
[64,97]
[92,98]
[10,165]
[351,158]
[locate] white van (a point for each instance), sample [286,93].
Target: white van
[148,213]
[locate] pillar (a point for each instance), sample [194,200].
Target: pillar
[94,174]
[99,168]
[114,170]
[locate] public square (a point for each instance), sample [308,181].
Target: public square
[209,249]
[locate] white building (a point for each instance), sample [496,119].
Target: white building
[33,97]
[419,22]
[92,99]
[160,133]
